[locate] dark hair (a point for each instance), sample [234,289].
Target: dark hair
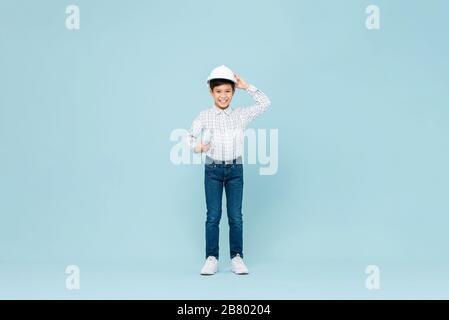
[218,82]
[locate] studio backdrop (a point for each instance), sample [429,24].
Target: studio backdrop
[346,174]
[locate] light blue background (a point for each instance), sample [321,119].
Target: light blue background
[86,178]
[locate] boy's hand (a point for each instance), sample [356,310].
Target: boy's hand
[202,147]
[241,84]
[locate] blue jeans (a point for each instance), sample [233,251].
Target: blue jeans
[229,176]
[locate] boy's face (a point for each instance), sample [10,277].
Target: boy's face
[222,95]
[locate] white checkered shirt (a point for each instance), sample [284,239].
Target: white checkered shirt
[226,127]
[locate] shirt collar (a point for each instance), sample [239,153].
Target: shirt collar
[218,110]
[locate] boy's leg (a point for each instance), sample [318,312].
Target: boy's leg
[213,185]
[234,194]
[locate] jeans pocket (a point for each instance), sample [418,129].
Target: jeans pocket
[238,168]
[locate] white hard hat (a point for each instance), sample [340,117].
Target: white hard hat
[222,72]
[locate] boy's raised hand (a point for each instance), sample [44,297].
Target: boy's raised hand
[241,84]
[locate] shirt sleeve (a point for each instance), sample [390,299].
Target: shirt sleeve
[194,132]
[262,103]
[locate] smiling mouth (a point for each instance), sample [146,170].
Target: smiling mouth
[222,101]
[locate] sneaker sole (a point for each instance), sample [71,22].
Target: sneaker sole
[208,274]
[240,273]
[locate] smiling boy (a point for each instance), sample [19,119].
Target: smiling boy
[222,129]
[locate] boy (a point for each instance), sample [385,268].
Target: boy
[222,141]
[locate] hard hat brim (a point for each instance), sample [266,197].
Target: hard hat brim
[209,79]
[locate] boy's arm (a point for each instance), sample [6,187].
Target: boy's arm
[262,104]
[193,133]
[262,101]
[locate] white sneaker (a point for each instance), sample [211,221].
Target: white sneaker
[238,266]
[210,266]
